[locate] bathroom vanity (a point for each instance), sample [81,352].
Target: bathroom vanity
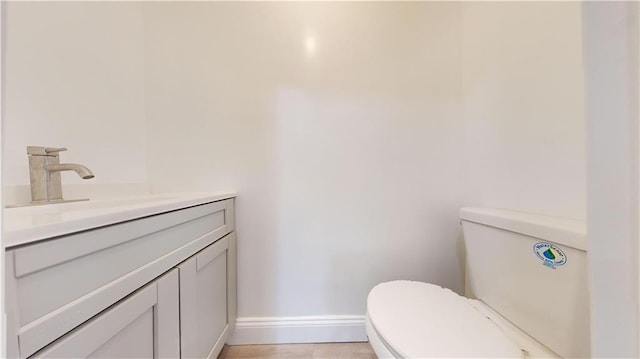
[153,276]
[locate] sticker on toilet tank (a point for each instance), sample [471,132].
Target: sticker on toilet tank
[550,254]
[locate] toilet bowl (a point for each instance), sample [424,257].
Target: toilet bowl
[527,274]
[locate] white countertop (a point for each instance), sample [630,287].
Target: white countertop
[24,225]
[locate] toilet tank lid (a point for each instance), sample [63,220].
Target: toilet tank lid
[564,231]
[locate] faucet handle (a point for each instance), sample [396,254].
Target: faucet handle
[54,149]
[44,151]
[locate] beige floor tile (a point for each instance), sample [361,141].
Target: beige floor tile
[329,349]
[346,356]
[294,351]
[299,351]
[281,351]
[251,351]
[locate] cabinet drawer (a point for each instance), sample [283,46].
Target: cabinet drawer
[59,284]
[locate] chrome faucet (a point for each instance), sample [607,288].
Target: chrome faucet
[44,174]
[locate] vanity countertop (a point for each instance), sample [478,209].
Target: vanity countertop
[24,225]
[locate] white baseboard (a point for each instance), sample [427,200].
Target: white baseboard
[281,330]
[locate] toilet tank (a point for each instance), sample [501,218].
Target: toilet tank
[532,270]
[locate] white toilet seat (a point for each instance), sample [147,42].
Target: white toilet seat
[407,319]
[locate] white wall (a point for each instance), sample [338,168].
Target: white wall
[353,132]
[74,78]
[523,107]
[611,37]
[339,124]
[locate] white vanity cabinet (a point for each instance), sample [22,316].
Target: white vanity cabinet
[158,286]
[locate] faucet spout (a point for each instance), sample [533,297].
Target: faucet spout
[81,170]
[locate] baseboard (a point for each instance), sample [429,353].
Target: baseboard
[281,330]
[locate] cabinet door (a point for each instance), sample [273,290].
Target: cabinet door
[203,302]
[144,325]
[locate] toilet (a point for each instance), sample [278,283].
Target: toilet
[526,295]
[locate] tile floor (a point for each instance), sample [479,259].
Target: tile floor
[299,351]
